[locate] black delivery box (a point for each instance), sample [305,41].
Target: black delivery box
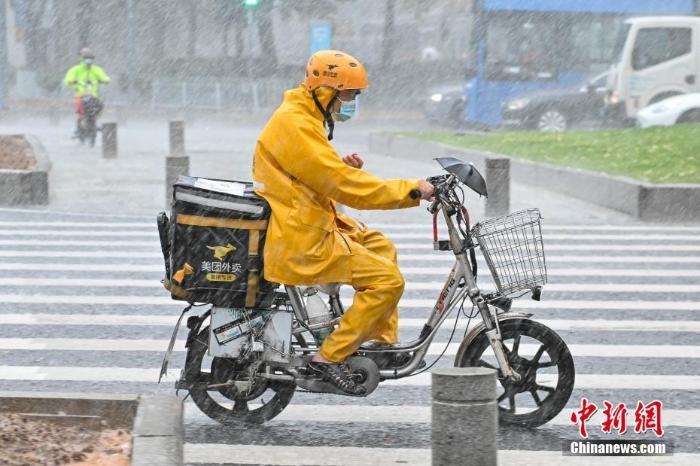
[213,244]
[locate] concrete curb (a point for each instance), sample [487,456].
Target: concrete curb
[646,201]
[158,431]
[27,187]
[156,422]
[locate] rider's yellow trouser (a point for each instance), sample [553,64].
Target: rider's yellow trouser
[378,287]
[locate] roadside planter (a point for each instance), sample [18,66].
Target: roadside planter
[640,199]
[123,430]
[24,171]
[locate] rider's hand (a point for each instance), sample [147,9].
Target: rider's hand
[70,83]
[426,190]
[353,160]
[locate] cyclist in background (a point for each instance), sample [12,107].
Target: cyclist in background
[85,78]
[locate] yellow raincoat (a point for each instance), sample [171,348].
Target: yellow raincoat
[308,242]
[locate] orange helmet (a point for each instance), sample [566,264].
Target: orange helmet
[335,69]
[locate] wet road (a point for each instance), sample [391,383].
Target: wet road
[82,308]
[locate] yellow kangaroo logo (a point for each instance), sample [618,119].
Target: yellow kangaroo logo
[221,251]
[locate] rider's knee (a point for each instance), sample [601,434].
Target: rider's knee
[394,280]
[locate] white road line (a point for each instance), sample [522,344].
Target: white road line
[40,224]
[394,237]
[399,246]
[416,286]
[597,381]
[377,226]
[580,272]
[52,244]
[52,267]
[273,455]
[56,233]
[571,237]
[601,247]
[404,323]
[91,319]
[112,300]
[403,258]
[104,344]
[440,271]
[134,375]
[591,324]
[405,303]
[422,415]
[608,258]
[91,254]
[427,227]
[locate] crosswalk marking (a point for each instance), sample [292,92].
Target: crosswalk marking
[90,319]
[129,374]
[155,320]
[53,267]
[552,272]
[436,348]
[573,237]
[421,415]
[599,246]
[427,227]
[40,224]
[608,258]
[285,455]
[403,258]
[106,244]
[581,272]
[90,254]
[405,303]
[427,236]
[57,233]
[577,256]
[411,286]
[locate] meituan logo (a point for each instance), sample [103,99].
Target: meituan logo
[221,251]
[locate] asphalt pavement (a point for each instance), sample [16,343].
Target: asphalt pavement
[82,309]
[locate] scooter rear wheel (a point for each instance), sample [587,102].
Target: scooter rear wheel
[270,396]
[543,360]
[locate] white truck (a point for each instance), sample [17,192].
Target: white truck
[658,57]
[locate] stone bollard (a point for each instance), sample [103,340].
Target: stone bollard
[109,140]
[54,114]
[498,182]
[177,138]
[174,167]
[464,417]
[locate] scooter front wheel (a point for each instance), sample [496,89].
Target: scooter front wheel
[544,363]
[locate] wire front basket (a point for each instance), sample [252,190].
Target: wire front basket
[513,249]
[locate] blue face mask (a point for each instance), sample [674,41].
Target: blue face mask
[347,110]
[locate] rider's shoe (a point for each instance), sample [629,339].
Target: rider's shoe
[339,375]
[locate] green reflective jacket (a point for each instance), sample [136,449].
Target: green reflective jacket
[84,75]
